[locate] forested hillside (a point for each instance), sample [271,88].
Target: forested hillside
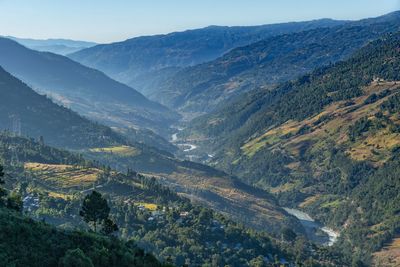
[25,242]
[277,59]
[28,113]
[326,143]
[53,184]
[84,90]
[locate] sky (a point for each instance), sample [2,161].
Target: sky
[106,21]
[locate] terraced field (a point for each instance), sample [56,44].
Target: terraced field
[332,124]
[63,176]
[389,256]
[125,151]
[249,205]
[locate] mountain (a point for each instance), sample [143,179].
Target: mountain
[56,46]
[327,143]
[24,111]
[141,61]
[85,90]
[201,88]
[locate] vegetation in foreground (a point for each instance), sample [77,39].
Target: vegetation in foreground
[26,242]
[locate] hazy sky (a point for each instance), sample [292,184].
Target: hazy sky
[113,20]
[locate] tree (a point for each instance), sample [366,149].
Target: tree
[3,192]
[288,235]
[257,262]
[109,227]
[1,175]
[94,209]
[75,258]
[14,201]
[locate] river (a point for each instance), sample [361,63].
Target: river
[314,230]
[186,147]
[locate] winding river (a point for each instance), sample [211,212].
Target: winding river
[186,147]
[314,230]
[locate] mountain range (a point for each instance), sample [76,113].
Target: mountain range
[85,90]
[141,61]
[201,88]
[56,46]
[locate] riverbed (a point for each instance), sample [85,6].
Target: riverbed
[314,230]
[186,147]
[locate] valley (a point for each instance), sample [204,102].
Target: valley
[221,146]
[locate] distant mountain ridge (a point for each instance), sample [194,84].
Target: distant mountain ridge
[139,61]
[85,90]
[267,63]
[57,46]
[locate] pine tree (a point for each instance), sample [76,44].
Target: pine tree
[95,209]
[3,192]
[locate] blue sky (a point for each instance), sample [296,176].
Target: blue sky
[113,20]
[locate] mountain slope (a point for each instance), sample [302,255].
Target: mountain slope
[56,46]
[156,218]
[201,183]
[327,143]
[267,63]
[25,242]
[23,110]
[141,61]
[38,116]
[85,90]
